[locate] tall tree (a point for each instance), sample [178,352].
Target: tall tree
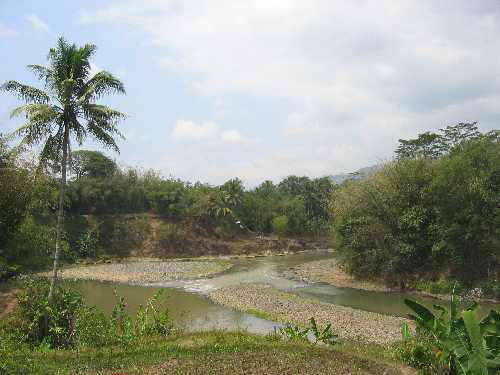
[91,164]
[66,109]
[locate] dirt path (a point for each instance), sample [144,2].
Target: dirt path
[8,302]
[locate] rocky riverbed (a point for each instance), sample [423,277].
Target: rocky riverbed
[145,271]
[329,271]
[348,323]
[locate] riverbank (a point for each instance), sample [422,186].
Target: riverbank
[348,323]
[142,272]
[330,272]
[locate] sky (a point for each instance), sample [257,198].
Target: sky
[262,89]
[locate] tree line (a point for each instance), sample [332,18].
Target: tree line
[432,214]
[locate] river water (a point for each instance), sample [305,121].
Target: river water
[191,309]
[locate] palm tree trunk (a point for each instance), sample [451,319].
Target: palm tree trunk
[60,215]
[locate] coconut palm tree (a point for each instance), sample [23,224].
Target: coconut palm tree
[66,109]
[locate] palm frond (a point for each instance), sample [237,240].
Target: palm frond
[27,93]
[41,120]
[81,64]
[37,111]
[77,128]
[34,132]
[102,83]
[103,136]
[42,72]
[100,113]
[52,148]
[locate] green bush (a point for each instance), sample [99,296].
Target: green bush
[420,354]
[50,323]
[280,225]
[94,329]
[32,246]
[295,333]
[88,243]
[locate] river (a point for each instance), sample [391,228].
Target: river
[191,309]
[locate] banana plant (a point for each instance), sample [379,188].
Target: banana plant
[468,346]
[293,333]
[325,336]
[474,356]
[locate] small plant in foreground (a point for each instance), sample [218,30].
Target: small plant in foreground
[294,333]
[325,336]
[151,320]
[465,345]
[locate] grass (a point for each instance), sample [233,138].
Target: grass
[214,352]
[260,314]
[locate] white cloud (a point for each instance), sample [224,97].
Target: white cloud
[355,76]
[189,131]
[7,32]
[37,23]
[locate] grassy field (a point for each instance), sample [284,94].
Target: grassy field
[201,353]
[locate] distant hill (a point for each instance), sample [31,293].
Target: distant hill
[360,173]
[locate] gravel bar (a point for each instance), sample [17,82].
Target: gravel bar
[145,272]
[348,323]
[329,271]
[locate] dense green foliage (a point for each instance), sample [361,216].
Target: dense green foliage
[106,210]
[424,217]
[449,343]
[303,201]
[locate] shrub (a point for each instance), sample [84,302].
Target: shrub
[280,225]
[419,353]
[33,244]
[93,327]
[88,242]
[295,333]
[42,322]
